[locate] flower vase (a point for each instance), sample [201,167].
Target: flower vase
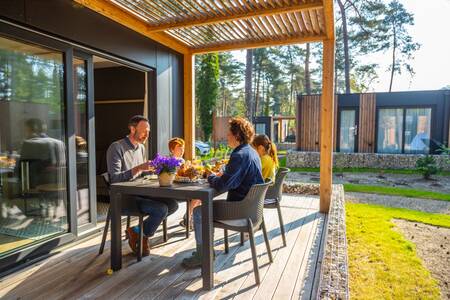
[166,179]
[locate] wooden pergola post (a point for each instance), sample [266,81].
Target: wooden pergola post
[189,105]
[326,126]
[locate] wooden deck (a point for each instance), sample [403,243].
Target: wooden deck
[79,272]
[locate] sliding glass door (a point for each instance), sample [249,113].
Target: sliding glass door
[33,170]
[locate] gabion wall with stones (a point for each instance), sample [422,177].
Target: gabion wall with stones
[302,159]
[333,282]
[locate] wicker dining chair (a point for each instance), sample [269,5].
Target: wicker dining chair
[244,216]
[129,212]
[274,195]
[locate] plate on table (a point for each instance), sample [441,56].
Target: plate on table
[181,179]
[151,177]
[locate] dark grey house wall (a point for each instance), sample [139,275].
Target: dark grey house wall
[438,100]
[70,21]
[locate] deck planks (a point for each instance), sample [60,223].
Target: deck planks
[79,272]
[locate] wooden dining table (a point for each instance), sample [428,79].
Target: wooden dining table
[181,191]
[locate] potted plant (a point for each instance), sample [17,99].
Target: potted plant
[166,168]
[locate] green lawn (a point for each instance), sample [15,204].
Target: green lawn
[382,263]
[395,191]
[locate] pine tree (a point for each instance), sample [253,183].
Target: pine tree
[399,40]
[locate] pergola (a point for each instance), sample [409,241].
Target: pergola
[203,26]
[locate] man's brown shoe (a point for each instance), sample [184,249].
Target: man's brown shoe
[133,238]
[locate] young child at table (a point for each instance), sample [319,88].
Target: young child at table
[176,148]
[268,154]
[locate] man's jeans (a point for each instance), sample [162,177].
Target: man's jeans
[157,210]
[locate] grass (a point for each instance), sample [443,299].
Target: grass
[395,191]
[382,263]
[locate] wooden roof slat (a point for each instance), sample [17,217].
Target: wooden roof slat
[321,20]
[140,10]
[282,25]
[307,22]
[211,9]
[230,33]
[238,5]
[161,12]
[254,25]
[314,21]
[298,21]
[257,44]
[269,26]
[261,24]
[234,30]
[288,24]
[204,13]
[294,22]
[222,31]
[302,23]
[180,37]
[219,9]
[274,25]
[140,13]
[250,28]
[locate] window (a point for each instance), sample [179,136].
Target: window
[404,130]
[33,195]
[417,130]
[347,131]
[260,128]
[390,128]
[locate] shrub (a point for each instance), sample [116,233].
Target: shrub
[427,166]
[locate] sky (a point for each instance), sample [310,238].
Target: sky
[431,62]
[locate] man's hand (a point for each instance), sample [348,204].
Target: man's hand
[145,167]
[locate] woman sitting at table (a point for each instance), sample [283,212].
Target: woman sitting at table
[242,171]
[268,154]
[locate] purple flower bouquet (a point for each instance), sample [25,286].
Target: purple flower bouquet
[166,164]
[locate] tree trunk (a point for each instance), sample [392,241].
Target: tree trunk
[307,72]
[258,77]
[393,59]
[248,85]
[346,50]
[291,95]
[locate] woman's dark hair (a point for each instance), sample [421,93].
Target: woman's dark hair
[242,129]
[134,120]
[269,147]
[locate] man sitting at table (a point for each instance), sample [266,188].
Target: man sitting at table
[127,160]
[242,171]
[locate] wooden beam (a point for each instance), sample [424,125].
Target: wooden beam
[242,15]
[189,105]
[326,126]
[271,41]
[127,19]
[328,12]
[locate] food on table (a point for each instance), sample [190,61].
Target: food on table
[190,171]
[6,162]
